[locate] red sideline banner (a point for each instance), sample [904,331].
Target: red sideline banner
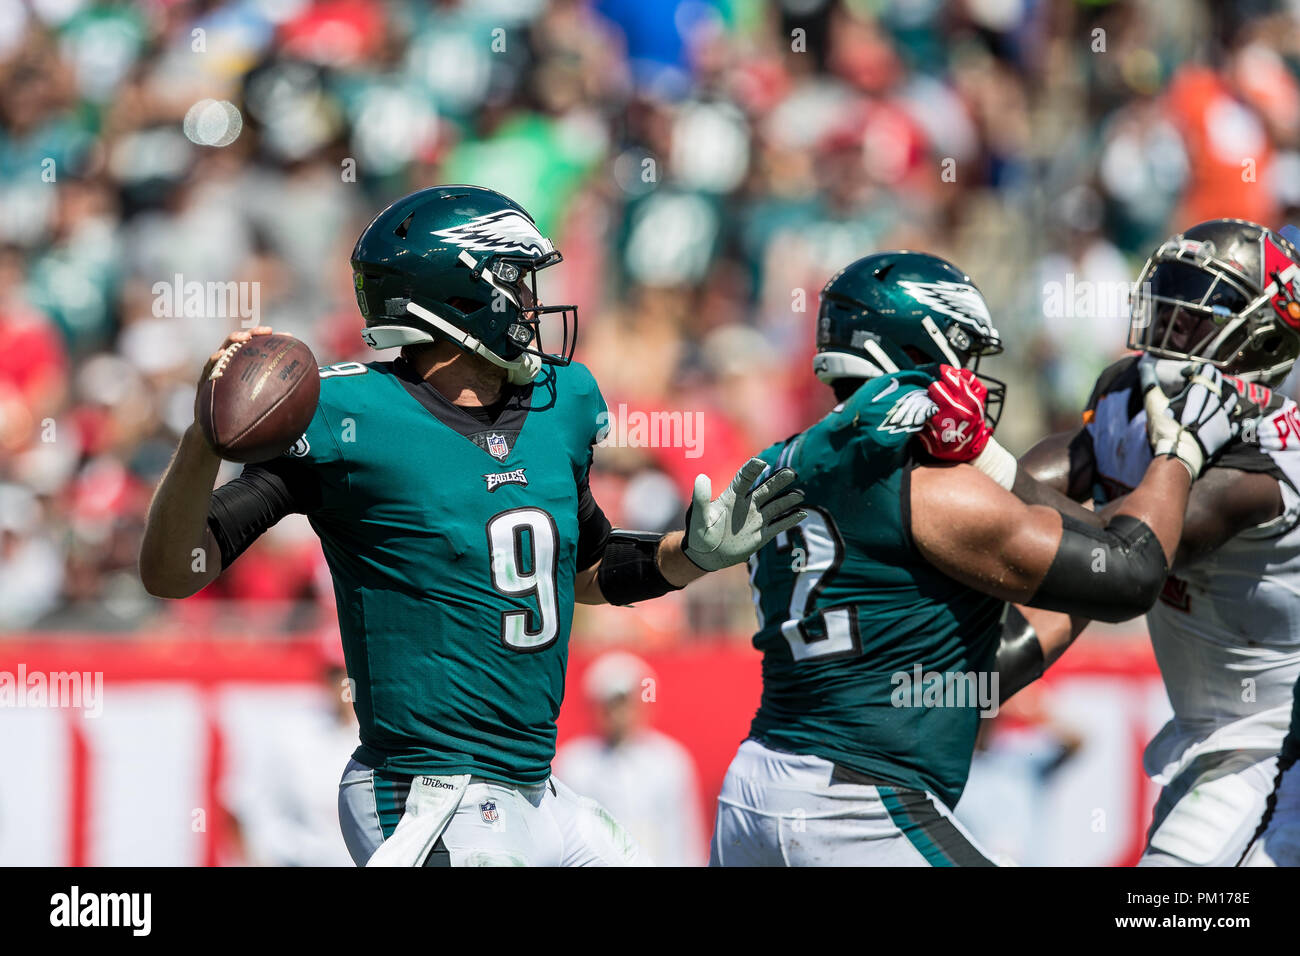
[135,752]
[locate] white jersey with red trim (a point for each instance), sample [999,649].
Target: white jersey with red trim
[1226,630]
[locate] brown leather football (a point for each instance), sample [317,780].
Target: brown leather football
[259,398]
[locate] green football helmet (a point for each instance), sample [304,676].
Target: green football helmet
[904,310]
[459,263]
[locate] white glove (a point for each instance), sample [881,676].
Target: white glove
[1200,421]
[728,529]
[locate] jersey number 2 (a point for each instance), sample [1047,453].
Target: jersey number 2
[522,543]
[815,550]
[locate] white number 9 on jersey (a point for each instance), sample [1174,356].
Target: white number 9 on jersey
[522,544]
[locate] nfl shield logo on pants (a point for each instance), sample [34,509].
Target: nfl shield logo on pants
[488,810]
[496,446]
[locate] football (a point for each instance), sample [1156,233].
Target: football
[259,397]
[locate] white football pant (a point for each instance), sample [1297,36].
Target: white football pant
[779,809]
[480,823]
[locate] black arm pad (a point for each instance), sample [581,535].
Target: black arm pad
[1020,655]
[629,570]
[1104,574]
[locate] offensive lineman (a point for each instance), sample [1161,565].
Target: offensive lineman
[1226,630]
[880,615]
[449,490]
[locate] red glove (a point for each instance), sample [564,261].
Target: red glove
[958,431]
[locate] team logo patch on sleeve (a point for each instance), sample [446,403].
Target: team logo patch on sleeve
[909,413]
[505,231]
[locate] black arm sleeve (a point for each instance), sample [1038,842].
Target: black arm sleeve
[593,528]
[1020,655]
[1105,574]
[244,507]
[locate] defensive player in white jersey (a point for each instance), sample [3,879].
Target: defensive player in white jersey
[1226,630]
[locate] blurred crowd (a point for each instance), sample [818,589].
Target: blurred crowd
[703,165]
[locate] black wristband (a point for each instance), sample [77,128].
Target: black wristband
[629,570]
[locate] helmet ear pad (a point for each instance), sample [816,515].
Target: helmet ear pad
[831,366]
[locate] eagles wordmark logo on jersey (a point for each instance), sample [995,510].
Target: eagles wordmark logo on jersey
[909,413]
[504,231]
[498,478]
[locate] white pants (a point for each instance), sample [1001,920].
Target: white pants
[495,824]
[1207,815]
[1279,842]
[779,809]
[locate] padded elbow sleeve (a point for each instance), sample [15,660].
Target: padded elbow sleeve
[1104,574]
[629,568]
[247,505]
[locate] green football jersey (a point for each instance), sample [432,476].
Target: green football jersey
[872,658]
[452,548]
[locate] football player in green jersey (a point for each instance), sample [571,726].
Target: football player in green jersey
[881,615]
[449,489]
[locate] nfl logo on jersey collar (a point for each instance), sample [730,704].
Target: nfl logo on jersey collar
[488,811]
[497,446]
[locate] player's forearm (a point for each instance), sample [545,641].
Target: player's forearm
[1063,462]
[174,558]
[1034,492]
[1116,572]
[1032,640]
[1056,632]
[1160,502]
[674,565]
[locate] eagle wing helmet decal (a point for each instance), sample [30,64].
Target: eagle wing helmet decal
[504,231]
[957,300]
